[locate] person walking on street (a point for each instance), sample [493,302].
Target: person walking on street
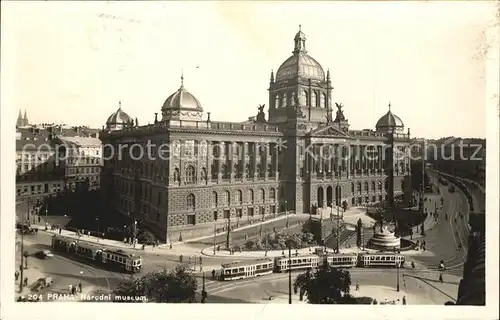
[441,277]
[26,281]
[357,285]
[213,274]
[80,287]
[404,300]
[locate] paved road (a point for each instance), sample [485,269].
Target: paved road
[442,241]
[424,285]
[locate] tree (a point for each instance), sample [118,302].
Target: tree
[174,286]
[325,286]
[358,233]
[146,237]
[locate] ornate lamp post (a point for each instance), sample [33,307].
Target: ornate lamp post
[286,213]
[97,221]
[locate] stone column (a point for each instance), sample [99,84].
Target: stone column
[198,161]
[210,161]
[266,161]
[320,158]
[276,155]
[182,168]
[244,155]
[255,160]
[231,162]
[220,160]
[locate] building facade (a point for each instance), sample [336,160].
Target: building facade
[41,169]
[298,158]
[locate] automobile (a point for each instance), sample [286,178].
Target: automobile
[44,254]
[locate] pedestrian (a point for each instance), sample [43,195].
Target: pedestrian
[80,287]
[213,274]
[357,285]
[26,281]
[143,247]
[39,219]
[73,289]
[404,300]
[441,277]
[60,230]
[70,287]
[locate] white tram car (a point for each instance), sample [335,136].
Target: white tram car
[114,259]
[246,269]
[296,263]
[371,260]
[343,260]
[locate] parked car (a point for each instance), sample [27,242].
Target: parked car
[44,254]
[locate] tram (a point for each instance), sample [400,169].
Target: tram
[343,260]
[370,260]
[246,269]
[296,263]
[113,259]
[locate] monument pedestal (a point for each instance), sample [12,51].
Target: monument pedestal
[384,240]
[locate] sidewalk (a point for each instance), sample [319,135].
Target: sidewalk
[33,273]
[388,295]
[177,248]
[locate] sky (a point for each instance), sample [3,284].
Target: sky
[72,62]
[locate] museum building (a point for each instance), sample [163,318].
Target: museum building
[298,158]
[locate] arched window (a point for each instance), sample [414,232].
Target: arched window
[190,174]
[262,195]
[304,98]
[277,101]
[250,196]
[366,185]
[352,187]
[239,197]
[190,202]
[322,102]
[227,197]
[314,99]
[359,186]
[283,100]
[373,185]
[272,194]
[214,199]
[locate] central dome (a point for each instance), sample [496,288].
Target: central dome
[182,100]
[300,64]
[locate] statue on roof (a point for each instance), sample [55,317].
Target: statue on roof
[340,114]
[261,117]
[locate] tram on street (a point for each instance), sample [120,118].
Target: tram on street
[370,260]
[296,262]
[251,268]
[246,269]
[343,260]
[113,259]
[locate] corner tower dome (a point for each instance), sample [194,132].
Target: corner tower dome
[300,64]
[182,105]
[390,121]
[118,119]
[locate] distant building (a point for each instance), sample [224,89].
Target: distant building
[82,162]
[218,171]
[22,121]
[461,157]
[40,172]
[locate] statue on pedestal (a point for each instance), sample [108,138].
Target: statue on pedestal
[340,114]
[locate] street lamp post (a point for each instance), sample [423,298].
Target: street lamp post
[21,269]
[286,213]
[215,230]
[397,274]
[289,274]
[80,283]
[135,232]
[97,221]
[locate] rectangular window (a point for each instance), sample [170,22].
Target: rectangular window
[191,219]
[227,214]
[250,212]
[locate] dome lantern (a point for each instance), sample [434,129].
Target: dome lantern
[300,64]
